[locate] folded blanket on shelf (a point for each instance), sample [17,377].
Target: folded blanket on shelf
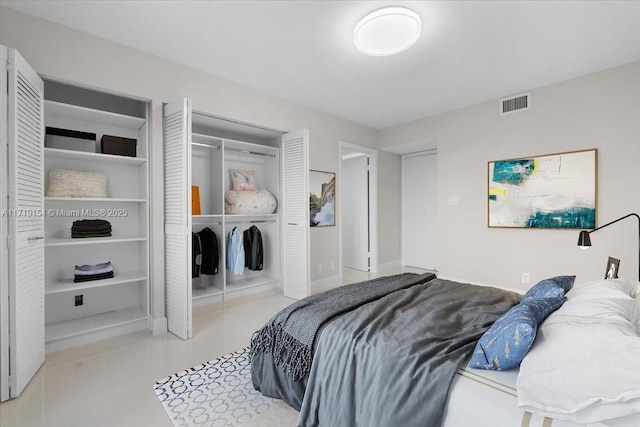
[90,228]
[88,270]
[90,277]
[85,235]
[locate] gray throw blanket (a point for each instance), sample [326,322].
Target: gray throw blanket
[391,362]
[290,334]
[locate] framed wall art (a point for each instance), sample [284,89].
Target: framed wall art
[322,196]
[549,191]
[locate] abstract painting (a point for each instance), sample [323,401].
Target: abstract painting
[549,191]
[322,191]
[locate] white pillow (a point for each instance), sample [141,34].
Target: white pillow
[249,202]
[584,366]
[243,179]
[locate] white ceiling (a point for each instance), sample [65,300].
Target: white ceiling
[469,51]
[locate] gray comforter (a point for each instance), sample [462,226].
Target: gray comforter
[391,361]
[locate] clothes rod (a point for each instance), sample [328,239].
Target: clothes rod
[204,145]
[252,222]
[250,152]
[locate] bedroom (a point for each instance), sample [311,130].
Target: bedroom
[598,109]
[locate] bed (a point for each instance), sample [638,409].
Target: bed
[400,351]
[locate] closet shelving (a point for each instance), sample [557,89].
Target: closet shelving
[109,306]
[199,150]
[213,153]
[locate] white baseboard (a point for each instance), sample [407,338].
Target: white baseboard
[392,265]
[159,326]
[324,284]
[94,336]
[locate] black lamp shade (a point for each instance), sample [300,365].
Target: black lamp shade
[584,239]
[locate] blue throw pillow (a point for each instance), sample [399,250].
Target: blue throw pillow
[554,287]
[510,337]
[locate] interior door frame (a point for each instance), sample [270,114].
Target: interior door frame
[373,202]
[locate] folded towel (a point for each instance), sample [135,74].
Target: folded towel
[87,278]
[90,229]
[90,223]
[75,235]
[87,270]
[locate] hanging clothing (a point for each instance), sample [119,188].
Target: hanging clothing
[196,255]
[253,250]
[235,252]
[209,244]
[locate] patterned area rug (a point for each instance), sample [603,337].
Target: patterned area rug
[219,393]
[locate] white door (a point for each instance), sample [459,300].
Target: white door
[355,211]
[419,210]
[295,214]
[177,217]
[4,273]
[25,183]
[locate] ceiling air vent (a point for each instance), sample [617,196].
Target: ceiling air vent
[517,103]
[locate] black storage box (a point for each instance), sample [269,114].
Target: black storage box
[66,139]
[118,145]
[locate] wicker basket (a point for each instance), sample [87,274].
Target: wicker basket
[118,145]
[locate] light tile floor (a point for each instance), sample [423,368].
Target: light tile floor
[110,383]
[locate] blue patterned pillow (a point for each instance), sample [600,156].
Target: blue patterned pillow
[510,337]
[554,287]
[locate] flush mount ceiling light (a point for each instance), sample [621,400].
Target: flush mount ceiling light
[387,31]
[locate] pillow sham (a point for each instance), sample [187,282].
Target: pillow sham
[554,287]
[243,180]
[509,339]
[68,183]
[585,364]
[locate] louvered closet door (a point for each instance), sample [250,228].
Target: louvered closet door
[4,269]
[177,216]
[295,212]
[26,223]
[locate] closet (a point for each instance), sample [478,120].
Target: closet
[22,327]
[44,305]
[242,178]
[77,312]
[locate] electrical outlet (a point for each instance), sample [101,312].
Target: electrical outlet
[333,265]
[319,268]
[79,300]
[526,278]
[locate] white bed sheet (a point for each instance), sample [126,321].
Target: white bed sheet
[489,398]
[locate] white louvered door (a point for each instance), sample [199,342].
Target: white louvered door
[25,181]
[177,216]
[295,208]
[4,273]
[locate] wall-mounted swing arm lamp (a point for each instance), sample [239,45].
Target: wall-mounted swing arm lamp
[584,240]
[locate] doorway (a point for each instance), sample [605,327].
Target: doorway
[358,210]
[420,210]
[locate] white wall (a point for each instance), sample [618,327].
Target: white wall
[62,53]
[601,110]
